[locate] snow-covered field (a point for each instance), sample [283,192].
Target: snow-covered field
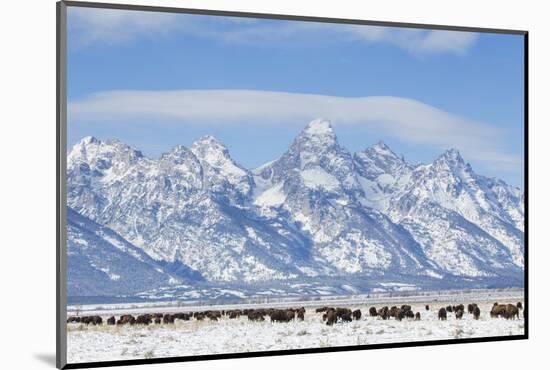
[186,338]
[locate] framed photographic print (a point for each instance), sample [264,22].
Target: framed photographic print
[236,184]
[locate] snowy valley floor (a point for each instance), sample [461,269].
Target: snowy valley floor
[185,338]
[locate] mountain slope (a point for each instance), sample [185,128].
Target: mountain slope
[101,262]
[466,223]
[317,212]
[183,208]
[318,181]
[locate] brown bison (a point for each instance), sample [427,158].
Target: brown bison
[406,307]
[476,312]
[168,319]
[255,315]
[459,314]
[94,320]
[449,308]
[427,307]
[471,307]
[342,311]
[233,314]
[459,307]
[384,313]
[345,316]
[512,312]
[157,317]
[401,314]
[73,319]
[442,314]
[409,314]
[282,315]
[126,319]
[111,320]
[182,316]
[373,312]
[417,316]
[331,317]
[213,315]
[519,306]
[144,319]
[356,314]
[498,310]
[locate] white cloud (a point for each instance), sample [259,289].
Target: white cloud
[417,40]
[407,120]
[108,26]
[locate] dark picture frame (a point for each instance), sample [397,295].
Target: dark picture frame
[61,188]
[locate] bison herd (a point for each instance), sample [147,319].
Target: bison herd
[399,313]
[330,315]
[508,311]
[275,315]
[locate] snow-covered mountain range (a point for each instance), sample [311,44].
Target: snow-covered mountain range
[317,215]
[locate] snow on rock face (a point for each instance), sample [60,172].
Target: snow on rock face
[212,151]
[462,200]
[318,178]
[182,208]
[322,192]
[316,211]
[221,173]
[451,183]
[101,262]
[382,175]
[380,160]
[272,197]
[315,152]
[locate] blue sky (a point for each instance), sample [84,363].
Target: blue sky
[155,80]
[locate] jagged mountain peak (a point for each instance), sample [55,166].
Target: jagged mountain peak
[314,155]
[380,145]
[178,154]
[381,149]
[91,149]
[316,135]
[316,209]
[319,126]
[208,140]
[451,157]
[223,175]
[215,154]
[87,140]
[92,141]
[84,144]
[380,159]
[208,148]
[179,149]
